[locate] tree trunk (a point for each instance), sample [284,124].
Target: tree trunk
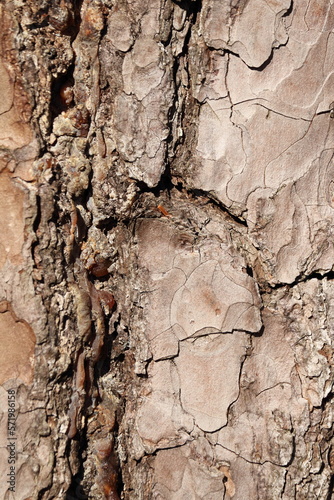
[167,296]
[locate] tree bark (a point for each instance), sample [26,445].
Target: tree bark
[167,254]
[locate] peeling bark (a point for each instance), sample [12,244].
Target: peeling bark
[166,248]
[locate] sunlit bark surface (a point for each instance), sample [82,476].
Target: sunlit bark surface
[166,249]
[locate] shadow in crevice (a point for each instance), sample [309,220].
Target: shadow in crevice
[302,278]
[76,490]
[58,103]
[192,7]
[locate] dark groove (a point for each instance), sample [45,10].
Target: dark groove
[165,184]
[201,193]
[330,488]
[57,105]
[249,271]
[289,11]
[75,491]
[36,224]
[192,7]
[302,279]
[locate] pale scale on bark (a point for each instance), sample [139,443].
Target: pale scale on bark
[230,102]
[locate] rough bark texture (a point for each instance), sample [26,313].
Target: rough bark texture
[166,248]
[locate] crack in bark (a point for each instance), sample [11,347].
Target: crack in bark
[211,199]
[329,275]
[252,462]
